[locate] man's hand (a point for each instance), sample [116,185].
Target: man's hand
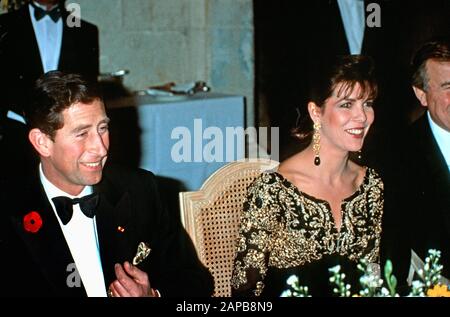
[131,282]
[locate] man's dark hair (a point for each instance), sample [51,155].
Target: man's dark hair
[53,93]
[438,50]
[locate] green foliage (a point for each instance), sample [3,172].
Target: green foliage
[372,285]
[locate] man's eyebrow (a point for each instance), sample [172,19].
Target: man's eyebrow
[87,126]
[106,120]
[81,127]
[445,84]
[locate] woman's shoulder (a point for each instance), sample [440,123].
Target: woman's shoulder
[372,178]
[372,174]
[267,178]
[262,192]
[364,171]
[294,167]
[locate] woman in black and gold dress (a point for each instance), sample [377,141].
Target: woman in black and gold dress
[319,208]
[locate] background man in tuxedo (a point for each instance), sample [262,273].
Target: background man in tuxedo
[76,210]
[418,217]
[429,152]
[34,42]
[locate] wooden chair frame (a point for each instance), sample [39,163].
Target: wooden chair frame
[212,215]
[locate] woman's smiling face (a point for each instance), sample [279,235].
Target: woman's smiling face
[346,118]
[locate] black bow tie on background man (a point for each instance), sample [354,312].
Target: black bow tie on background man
[64,206]
[39,13]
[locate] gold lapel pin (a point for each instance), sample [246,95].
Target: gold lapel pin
[142,252]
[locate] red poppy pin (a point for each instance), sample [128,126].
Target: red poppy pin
[32,222]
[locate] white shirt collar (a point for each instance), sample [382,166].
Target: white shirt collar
[53,191]
[49,39]
[442,138]
[81,237]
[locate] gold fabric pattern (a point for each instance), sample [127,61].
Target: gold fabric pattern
[283,227]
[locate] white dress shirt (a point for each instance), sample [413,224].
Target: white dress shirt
[442,138]
[81,237]
[49,38]
[353,17]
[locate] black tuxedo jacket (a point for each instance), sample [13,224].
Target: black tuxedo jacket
[17,157]
[417,201]
[39,264]
[21,63]
[430,194]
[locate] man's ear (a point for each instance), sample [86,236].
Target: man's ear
[41,142]
[421,95]
[314,111]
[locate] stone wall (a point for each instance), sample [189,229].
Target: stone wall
[180,41]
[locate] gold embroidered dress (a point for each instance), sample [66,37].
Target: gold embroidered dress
[284,230]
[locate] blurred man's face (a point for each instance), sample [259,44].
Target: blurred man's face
[437,96]
[48,3]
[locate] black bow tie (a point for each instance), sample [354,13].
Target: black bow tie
[39,13]
[64,206]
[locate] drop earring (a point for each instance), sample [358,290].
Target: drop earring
[316,143]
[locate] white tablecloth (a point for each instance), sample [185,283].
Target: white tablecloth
[158,117]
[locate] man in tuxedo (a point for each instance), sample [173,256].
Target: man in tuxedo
[80,227]
[429,152]
[418,219]
[40,37]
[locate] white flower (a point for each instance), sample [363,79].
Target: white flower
[292,280]
[286,293]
